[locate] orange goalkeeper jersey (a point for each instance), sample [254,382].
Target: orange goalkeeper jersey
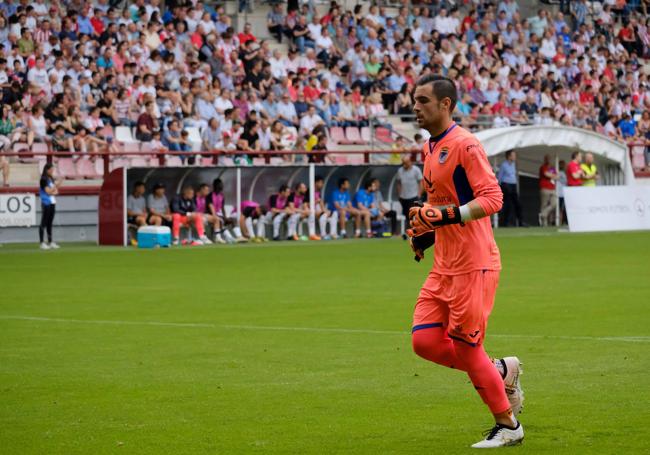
[456,171]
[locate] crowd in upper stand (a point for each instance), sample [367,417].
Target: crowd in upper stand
[79,67]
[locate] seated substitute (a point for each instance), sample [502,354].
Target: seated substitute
[184,212]
[136,206]
[365,203]
[158,207]
[322,213]
[341,203]
[251,212]
[216,207]
[299,203]
[278,209]
[201,202]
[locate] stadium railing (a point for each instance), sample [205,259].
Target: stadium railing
[98,165]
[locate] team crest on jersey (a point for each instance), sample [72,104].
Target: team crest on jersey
[444,153]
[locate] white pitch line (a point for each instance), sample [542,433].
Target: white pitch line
[625,339]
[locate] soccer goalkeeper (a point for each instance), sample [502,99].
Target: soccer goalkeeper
[456,299]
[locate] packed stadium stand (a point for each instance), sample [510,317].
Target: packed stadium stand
[137,79]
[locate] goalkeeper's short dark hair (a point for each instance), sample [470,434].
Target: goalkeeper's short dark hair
[342,180]
[442,87]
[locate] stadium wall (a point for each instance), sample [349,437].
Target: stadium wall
[75,221]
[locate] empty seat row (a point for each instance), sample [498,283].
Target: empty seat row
[359,136]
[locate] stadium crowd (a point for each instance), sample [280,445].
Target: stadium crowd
[71,71]
[205,206]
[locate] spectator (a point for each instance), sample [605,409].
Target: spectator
[174,140]
[589,171]
[275,22]
[146,124]
[61,143]
[158,207]
[184,213]
[156,144]
[574,174]
[500,120]
[136,206]
[341,203]
[627,127]
[409,186]
[287,112]
[507,177]
[6,169]
[49,189]
[36,126]
[548,197]
[7,125]
[320,146]
[211,137]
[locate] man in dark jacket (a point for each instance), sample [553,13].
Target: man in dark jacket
[184,212]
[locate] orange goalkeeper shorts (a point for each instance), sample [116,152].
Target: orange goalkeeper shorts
[459,303]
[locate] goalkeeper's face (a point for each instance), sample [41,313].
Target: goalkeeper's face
[430,112]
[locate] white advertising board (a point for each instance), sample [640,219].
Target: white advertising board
[608,208]
[17,210]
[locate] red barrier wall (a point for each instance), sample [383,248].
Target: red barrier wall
[111,209]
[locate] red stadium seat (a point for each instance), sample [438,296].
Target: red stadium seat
[383,135]
[25,155]
[130,147]
[206,161]
[99,166]
[37,147]
[365,135]
[66,168]
[107,131]
[353,136]
[86,169]
[337,134]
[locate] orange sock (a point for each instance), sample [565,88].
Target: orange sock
[484,375]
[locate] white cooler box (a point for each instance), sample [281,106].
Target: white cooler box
[154,237]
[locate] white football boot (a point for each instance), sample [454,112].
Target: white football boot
[512,369]
[45,246]
[501,436]
[54,246]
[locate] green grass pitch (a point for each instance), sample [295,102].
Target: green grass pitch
[305,348]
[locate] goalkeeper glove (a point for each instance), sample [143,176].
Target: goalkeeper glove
[420,243]
[428,217]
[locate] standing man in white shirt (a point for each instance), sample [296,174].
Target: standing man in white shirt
[409,185]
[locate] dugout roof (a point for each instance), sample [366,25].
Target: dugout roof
[533,142]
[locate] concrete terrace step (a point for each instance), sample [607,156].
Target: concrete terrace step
[24,174]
